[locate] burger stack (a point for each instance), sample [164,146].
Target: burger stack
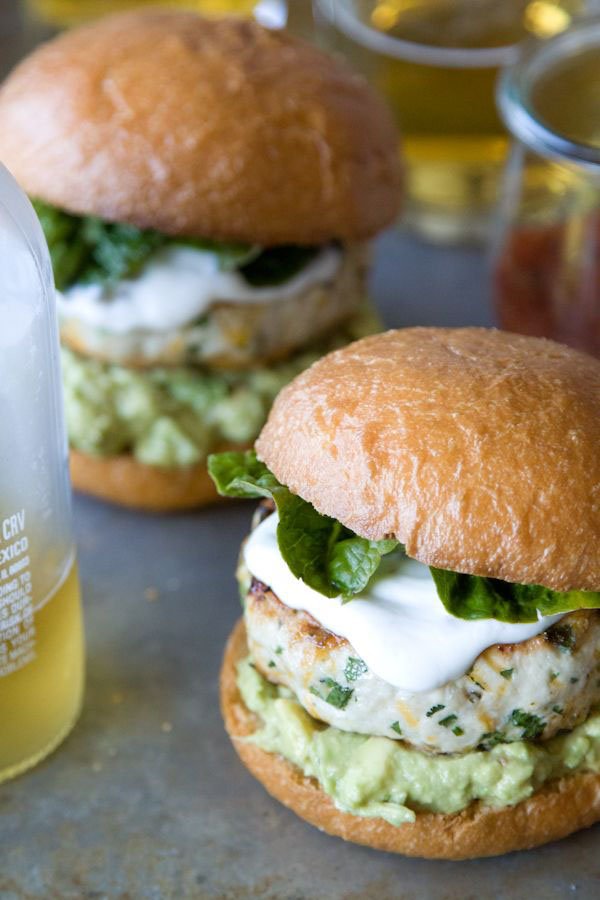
[207,189]
[417,668]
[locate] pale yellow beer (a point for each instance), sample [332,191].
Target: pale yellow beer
[41,670]
[436,62]
[64,13]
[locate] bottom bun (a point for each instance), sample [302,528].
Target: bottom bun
[126,481]
[556,810]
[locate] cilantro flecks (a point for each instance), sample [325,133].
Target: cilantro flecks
[337,695]
[491,739]
[354,668]
[447,721]
[531,724]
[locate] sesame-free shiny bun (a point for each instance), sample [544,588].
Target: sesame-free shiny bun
[477,449]
[212,128]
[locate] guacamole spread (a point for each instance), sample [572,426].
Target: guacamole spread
[177,416]
[384,778]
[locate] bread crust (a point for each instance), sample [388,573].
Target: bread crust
[477,449]
[127,482]
[191,126]
[558,809]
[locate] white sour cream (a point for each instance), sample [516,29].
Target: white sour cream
[400,629]
[178,285]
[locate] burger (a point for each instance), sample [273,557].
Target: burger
[417,668]
[207,189]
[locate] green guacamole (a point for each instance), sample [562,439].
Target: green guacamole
[382,778]
[176,417]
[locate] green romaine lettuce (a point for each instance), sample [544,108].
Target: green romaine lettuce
[321,551]
[279,264]
[88,250]
[115,251]
[333,560]
[474,597]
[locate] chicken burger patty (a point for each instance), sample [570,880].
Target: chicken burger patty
[181,309]
[530,690]
[173,416]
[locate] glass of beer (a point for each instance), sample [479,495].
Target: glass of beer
[437,61]
[41,640]
[64,13]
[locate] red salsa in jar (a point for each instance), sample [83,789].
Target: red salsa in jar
[547,282]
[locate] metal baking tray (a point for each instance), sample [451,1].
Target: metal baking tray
[146,798]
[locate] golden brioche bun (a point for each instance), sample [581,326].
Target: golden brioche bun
[477,449]
[126,481]
[213,128]
[558,809]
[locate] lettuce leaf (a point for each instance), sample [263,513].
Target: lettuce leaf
[115,251]
[88,250]
[333,560]
[321,551]
[68,252]
[475,597]
[277,264]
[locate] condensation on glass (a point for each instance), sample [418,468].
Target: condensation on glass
[41,642]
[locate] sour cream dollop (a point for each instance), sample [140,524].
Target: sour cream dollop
[399,626]
[176,286]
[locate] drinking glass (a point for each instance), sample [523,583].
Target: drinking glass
[437,62]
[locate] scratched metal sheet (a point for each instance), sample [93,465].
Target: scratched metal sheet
[146,799]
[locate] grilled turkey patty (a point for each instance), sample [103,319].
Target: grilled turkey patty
[230,334]
[520,691]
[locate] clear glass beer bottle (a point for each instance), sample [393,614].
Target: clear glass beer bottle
[41,639]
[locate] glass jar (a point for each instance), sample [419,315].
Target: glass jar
[546,254]
[41,641]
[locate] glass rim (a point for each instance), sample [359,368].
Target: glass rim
[514,87]
[338,15]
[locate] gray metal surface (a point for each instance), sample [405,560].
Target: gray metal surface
[147,799]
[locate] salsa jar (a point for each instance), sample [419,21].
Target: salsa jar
[546,252]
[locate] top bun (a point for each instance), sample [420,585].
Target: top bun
[191,126]
[477,449]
